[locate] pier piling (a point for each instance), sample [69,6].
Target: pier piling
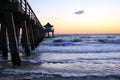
[17,15]
[25,41]
[31,39]
[3,35]
[13,43]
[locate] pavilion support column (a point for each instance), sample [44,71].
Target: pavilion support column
[25,41]
[52,33]
[3,42]
[12,38]
[48,34]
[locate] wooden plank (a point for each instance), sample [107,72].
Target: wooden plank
[12,38]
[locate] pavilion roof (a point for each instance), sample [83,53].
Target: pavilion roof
[48,25]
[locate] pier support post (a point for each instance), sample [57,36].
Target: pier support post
[3,43]
[31,36]
[0,37]
[17,33]
[35,36]
[25,41]
[12,38]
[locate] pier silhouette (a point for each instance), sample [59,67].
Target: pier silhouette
[17,17]
[49,28]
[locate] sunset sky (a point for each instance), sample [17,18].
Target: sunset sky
[97,16]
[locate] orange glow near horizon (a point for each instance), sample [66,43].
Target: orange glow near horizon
[87,26]
[89,31]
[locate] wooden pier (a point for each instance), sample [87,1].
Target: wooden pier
[17,17]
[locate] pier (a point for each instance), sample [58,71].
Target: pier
[48,28]
[17,18]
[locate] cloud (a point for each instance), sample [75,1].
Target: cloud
[79,12]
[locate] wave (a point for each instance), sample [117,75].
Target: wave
[63,61]
[81,44]
[116,41]
[45,75]
[80,48]
[68,61]
[68,57]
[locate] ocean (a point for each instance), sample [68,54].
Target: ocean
[68,57]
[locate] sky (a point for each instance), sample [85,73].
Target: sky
[79,16]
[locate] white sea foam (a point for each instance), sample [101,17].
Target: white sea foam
[71,56]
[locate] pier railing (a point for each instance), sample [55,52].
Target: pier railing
[26,8]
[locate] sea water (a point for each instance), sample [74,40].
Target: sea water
[76,56]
